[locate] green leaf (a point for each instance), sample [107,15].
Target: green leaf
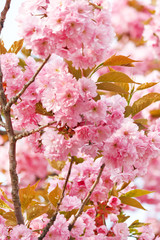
[146,85]
[36,211]
[119,60]
[115,76]
[137,193]
[16,46]
[144,102]
[3,50]
[105,86]
[131,202]
[55,195]
[26,195]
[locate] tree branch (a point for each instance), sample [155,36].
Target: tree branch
[17,96]
[12,155]
[71,225]
[27,133]
[53,218]
[4,13]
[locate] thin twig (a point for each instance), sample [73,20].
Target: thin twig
[27,133]
[4,13]
[12,155]
[53,218]
[17,96]
[71,225]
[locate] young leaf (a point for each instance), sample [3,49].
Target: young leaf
[3,50]
[4,205]
[58,165]
[146,85]
[36,211]
[155,113]
[26,195]
[76,73]
[131,202]
[115,76]
[137,193]
[128,111]
[119,60]
[106,86]
[26,52]
[55,195]
[16,46]
[144,102]
[5,196]
[122,217]
[41,110]
[137,224]
[11,219]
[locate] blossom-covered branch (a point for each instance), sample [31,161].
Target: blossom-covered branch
[27,133]
[17,96]
[53,218]
[4,13]
[12,155]
[71,225]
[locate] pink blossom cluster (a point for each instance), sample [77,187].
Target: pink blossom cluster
[152,32]
[79,31]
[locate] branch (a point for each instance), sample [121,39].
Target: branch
[17,96]
[4,13]
[71,225]
[27,133]
[53,218]
[12,155]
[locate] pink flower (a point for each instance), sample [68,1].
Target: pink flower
[121,231]
[21,232]
[113,202]
[69,203]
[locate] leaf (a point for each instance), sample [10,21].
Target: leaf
[58,165]
[125,87]
[3,50]
[155,113]
[26,52]
[128,111]
[144,102]
[55,195]
[76,73]
[16,46]
[115,76]
[41,110]
[142,121]
[119,60]
[11,219]
[78,160]
[5,196]
[146,85]
[137,193]
[131,202]
[26,195]
[122,217]
[114,191]
[105,86]
[4,205]
[36,211]
[124,185]
[136,224]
